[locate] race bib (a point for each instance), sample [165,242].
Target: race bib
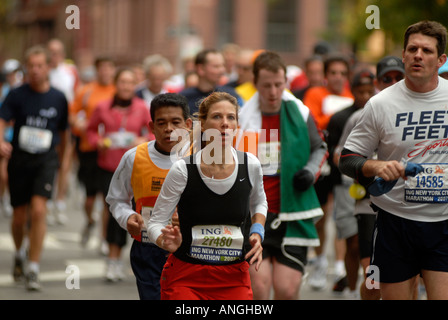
[216,243]
[333,103]
[146,214]
[35,140]
[122,139]
[429,186]
[269,156]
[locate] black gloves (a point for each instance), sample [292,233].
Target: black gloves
[302,180]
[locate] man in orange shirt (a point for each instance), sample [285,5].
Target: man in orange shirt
[323,102]
[81,110]
[139,177]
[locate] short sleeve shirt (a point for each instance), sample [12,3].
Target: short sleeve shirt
[45,112]
[408,126]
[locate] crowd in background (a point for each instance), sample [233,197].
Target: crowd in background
[331,84]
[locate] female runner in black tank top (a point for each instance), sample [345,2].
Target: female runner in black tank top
[209,260]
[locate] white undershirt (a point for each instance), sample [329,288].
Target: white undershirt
[120,192]
[176,181]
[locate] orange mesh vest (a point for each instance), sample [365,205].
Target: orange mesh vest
[146,181]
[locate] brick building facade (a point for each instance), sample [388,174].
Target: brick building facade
[129,30]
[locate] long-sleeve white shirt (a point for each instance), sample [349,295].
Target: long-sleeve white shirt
[176,181]
[120,192]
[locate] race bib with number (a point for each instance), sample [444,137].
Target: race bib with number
[333,103]
[269,156]
[122,139]
[216,243]
[35,140]
[430,186]
[146,214]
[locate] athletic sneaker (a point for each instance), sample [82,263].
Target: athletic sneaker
[114,270]
[32,281]
[339,278]
[340,285]
[51,219]
[17,271]
[318,278]
[119,273]
[86,233]
[104,248]
[6,208]
[352,295]
[110,271]
[59,211]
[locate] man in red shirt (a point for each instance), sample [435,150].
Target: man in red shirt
[291,152]
[323,102]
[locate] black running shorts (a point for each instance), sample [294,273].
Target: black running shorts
[402,248]
[31,175]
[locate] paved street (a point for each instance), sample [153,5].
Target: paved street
[63,251]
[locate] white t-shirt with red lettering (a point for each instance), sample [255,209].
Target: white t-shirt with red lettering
[404,125]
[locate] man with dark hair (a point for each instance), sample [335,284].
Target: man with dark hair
[389,70]
[428,28]
[279,130]
[40,116]
[139,178]
[314,70]
[210,69]
[323,102]
[363,88]
[404,123]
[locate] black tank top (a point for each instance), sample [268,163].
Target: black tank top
[200,206]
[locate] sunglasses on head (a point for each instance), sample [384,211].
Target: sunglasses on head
[389,79]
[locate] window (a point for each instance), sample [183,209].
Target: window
[225,22]
[281,34]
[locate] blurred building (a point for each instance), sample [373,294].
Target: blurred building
[129,30]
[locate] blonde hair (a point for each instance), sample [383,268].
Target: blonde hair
[213,98]
[38,50]
[205,104]
[157,60]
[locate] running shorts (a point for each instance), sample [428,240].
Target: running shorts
[403,247]
[294,257]
[31,175]
[343,212]
[323,187]
[88,172]
[186,281]
[114,233]
[366,225]
[147,261]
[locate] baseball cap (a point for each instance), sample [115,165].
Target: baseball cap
[10,66]
[389,63]
[362,77]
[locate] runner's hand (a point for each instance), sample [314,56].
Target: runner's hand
[5,149]
[390,170]
[175,219]
[256,251]
[135,224]
[171,238]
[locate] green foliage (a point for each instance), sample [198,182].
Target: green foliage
[347,18]
[398,14]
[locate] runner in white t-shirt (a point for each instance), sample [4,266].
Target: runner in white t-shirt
[407,123]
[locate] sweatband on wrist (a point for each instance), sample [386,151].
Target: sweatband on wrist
[257,228]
